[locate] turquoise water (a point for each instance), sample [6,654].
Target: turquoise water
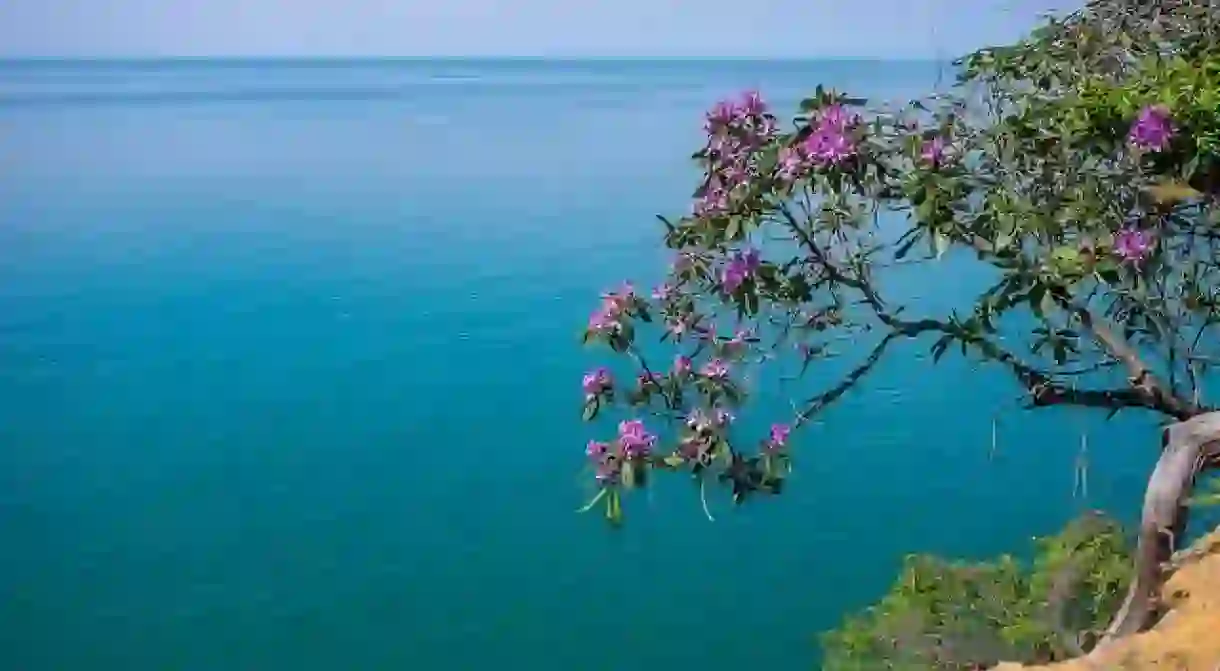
[289,379]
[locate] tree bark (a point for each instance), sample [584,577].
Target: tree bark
[1188,448]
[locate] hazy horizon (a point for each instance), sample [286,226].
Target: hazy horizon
[488,57]
[598,29]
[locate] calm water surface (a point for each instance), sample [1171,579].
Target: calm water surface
[289,379]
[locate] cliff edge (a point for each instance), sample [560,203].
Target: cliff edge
[1186,639]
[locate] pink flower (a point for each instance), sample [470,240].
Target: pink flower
[715,370]
[595,382]
[713,203]
[834,117]
[933,153]
[635,439]
[829,147]
[779,436]
[722,114]
[606,319]
[1133,245]
[663,292]
[791,164]
[831,142]
[1152,129]
[736,129]
[740,268]
[748,109]
[682,366]
[596,450]
[752,104]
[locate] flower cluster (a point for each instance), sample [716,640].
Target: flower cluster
[596,382]
[716,369]
[740,267]
[608,318]
[1133,245]
[778,438]
[933,152]
[1152,130]
[634,443]
[703,429]
[831,142]
[736,130]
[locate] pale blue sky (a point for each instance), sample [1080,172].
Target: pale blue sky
[802,28]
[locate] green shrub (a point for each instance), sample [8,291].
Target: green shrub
[953,615]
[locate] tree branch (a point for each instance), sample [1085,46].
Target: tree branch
[819,402]
[1146,390]
[1188,448]
[1144,383]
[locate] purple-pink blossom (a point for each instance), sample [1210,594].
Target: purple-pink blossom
[779,436]
[747,110]
[596,450]
[634,438]
[607,318]
[736,130]
[723,417]
[682,366]
[713,203]
[831,142]
[596,381]
[792,164]
[933,152]
[1152,130]
[739,268]
[1132,244]
[716,369]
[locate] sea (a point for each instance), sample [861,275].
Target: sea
[290,367]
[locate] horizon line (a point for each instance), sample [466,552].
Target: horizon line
[323,58]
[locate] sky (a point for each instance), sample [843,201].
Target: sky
[557,28]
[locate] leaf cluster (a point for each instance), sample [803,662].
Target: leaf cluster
[952,615]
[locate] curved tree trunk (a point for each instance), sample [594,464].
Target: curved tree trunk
[1188,448]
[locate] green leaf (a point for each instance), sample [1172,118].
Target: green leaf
[906,242]
[628,473]
[1037,300]
[733,228]
[1046,305]
[940,244]
[614,507]
[673,461]
[940,346]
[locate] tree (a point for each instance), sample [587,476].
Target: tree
[1080,166]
